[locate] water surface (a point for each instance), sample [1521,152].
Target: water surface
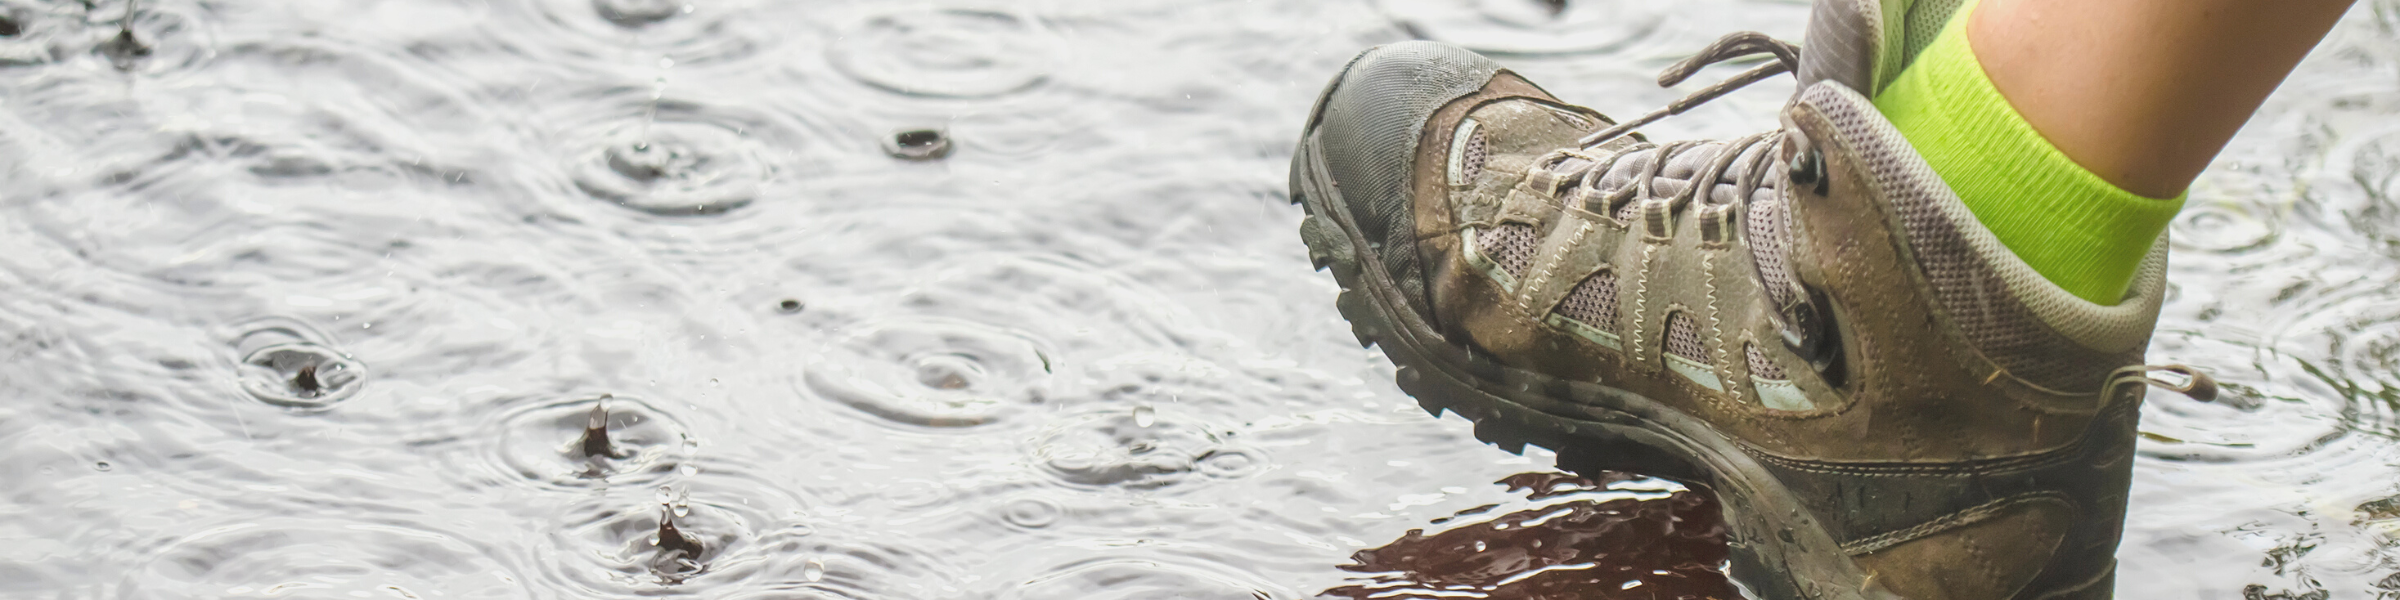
[311,299]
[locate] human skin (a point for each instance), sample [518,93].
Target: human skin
[2144,92]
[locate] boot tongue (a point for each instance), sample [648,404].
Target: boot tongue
[1847,42]
[1864,44]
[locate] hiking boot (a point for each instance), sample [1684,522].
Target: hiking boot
[1806,321]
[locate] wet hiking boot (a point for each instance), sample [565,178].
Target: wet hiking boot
[1806,321]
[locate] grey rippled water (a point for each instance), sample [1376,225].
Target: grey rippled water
[320,299]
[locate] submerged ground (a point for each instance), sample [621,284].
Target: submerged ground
[312,299]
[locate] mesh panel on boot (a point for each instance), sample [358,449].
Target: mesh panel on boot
[1594,302]
[1760,367]
[1970,276]
[1767,236]
[1470,163]
[1510,245]
[1683,338]
[1925,20]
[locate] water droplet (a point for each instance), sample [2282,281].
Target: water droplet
[285,364]
[678,162]
[1479,545]
[673,540]
[125,51]
[102,465]
[595,432]
[1144,415]
[932,374]
[918,144]
[814,571]
[790,306]
[631,14]
[1031,512]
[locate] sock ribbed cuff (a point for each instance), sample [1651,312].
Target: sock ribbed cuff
[2071,226]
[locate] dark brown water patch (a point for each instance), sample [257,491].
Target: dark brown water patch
[1670,546]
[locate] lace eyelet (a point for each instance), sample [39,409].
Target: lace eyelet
[1808,169]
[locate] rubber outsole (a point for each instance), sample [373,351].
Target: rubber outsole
[1777,549]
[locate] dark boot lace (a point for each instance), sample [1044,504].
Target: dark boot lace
[1639,181]
[1626,184]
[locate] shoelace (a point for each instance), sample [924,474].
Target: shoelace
[1575,176]
[1572,167]
[1734,45]
[1797,307]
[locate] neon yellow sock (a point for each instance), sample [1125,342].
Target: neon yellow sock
[2074,228]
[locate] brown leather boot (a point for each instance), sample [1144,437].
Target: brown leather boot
[1807,321]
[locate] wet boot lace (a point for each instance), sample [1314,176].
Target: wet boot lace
[1585,177]
[1581,172]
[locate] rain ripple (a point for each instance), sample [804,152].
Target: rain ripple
[941,374]
[1529,27]
[287,363]
[947,52]
[317,558]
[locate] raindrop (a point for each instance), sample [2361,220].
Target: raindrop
[102,465]
[814,571]
[125,50]
[306,382]
[1230,462]
[587,440]
[1031,513]
[636,13]
[790,306]
[918,144]
[934,374]
[298,372]
[595,432]
[947,372]
[1144,415]
[673,543]
[674,168]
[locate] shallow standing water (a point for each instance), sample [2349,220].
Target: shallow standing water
[310,299]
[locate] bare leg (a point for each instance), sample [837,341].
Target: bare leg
[2144,92]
